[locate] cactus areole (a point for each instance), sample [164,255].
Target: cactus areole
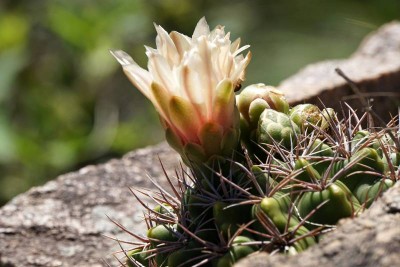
[260,176]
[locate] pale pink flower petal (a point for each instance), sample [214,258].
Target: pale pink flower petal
[202,29]
[138,76]
[190,81]
[181,41]
[166,46]
[161,71]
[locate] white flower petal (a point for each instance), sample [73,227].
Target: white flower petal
[238,73]
[161,71]
[225,61]
[218,35]
[166,46]
[240,50]
[137,75]
[191,79]
[202,29]
[122,57]
[208,76]
[140,78]
[181,41]
[235,45]
[150,50]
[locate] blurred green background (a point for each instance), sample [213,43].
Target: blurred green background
[65,102]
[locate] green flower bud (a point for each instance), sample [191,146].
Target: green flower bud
[255,98]
[236,252]
[367,139]
[163,209]
[278,127]
[224,261]
[359,138]
[328,115]
[308,116]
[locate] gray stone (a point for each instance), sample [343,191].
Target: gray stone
[63,223]
[374,67]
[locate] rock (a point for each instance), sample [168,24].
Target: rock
[374,67]
[63,222]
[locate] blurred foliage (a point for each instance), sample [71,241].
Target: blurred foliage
[64,100]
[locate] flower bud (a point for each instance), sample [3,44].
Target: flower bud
[308,116]
[277,127]
[254,99]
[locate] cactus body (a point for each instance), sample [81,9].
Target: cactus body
[163,233]
[304,243]
[322,156]
[228,218]
[337,205]
[367,193]
[137,255]
[365,166]
[307,171]
[296,174]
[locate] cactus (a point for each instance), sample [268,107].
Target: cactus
[330,204]
[276,185]
[282,203]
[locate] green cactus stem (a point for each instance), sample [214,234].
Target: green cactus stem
[365,166]
[367,193]
[329,205]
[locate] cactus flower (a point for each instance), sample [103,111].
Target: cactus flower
[191,83]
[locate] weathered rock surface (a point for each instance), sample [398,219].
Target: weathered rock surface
[62,223]
[374,67]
